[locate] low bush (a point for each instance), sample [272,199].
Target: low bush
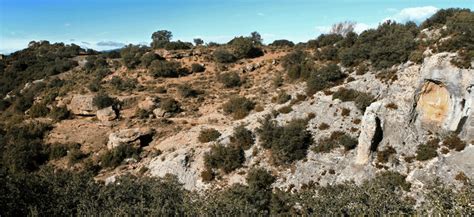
[285,109]
[123,84]
[242,137]
[208,135]
[239,107]
[427,151]
[75,154]
[196,67]
[282,43]
[337,139]
[230,79]
[56,151]
[298,65]
[287,143]
[362,100]
[323,78]
[282,97]
[454,143]
[166,69]
[178,45]
[384,155]
[113,158]
[224,158]
[223,56]
[244,47]
[38,110]
[59,113]
[102,100]
[148,58]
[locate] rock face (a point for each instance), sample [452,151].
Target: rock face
[444,97]
[82,105]
[147,104]
[137,136]
[370,135]
[106,114]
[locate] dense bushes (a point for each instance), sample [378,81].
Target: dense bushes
[238,107]
[244,47]
[230,79]
[102,100]
[298,65]
[337,139]
[208,135]
[113,158]
[324,77]
[242,137]
[178,45]
[170,105]
[427,151]
[287,143]
[223,56]
[123,84]
[131,55]
[362,100]
[167,69]
[282,43]
[196,67]
[225,158]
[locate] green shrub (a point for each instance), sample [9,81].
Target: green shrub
[337,139]
[142,113]
[208,135]
[323,78]
[287,143]
[160,38]
[285,109]
[230,79]
[282,97]
[102,100]
[224,158]
[427,151]
[282,43]
[123,85]
[244,47]
[238,107]
[115,157]
[242,137]
[131,55]
[178,45]
[362,100]
[298,65]
[196,67]
[75,155]
[38,110]
[223,56]
[384,155]
[148,58]
[59,113]
[259,179]
[57,151]
[167,69]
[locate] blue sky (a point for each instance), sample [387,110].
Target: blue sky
[106,24]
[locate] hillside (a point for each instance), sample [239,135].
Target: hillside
[375,123]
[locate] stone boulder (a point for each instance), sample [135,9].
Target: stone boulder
[370,134]
[443,99]
[135,136]
[148,104]
[159,113]
[106,114]
[82,105]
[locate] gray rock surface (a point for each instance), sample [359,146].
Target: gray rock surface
[82,105]
[127,136]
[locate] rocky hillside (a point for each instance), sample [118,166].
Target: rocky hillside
[393,104]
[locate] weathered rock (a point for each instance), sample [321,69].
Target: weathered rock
[82,105]
[444,97]
[370,134]
[148,104]
[106,114]
[159,113]
[128,136]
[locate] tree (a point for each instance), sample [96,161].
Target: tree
[256,38]
[198,41]
[161,38]
[343,28]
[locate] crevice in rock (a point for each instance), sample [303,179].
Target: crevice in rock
[378,135]
[145,140]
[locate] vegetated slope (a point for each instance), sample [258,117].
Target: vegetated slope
[327,126]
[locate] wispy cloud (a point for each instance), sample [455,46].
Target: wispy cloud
[260,14]
[110,44]
[67,25]
[415,14]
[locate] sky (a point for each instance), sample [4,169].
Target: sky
[110,24]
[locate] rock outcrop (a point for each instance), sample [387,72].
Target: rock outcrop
[82,105]
[135,136]
[370,135]
[106,114]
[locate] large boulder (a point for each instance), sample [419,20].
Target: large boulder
[148,104]
[370,134]
[106,114]
[82,105]
[443,100]
[135,136]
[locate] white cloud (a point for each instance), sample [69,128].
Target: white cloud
[261,14]
[67,25]
[416,14]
